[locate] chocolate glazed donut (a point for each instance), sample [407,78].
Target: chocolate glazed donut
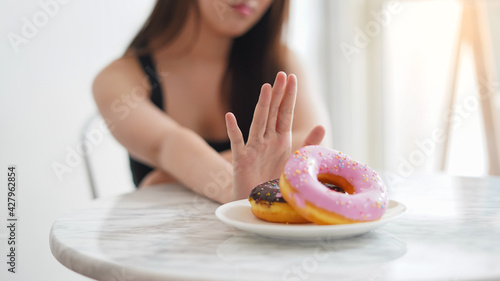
[268,204]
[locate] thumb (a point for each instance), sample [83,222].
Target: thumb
[315,136]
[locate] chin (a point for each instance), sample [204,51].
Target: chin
[234,27]
[234,31]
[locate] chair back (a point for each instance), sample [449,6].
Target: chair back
[106,160]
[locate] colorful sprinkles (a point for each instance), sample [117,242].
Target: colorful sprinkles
[369,200]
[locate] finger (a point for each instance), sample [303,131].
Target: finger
[278,92]
[315,136]
[258,126]
[234,133]
[285,114]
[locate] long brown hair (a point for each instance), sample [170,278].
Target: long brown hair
[254,58]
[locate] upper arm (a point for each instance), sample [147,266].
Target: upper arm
[122,93]
[310,111]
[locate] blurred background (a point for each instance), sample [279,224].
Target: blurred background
[384,69]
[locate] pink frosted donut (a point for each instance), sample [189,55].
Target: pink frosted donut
[300,183]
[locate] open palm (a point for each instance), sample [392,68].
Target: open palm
[270,138]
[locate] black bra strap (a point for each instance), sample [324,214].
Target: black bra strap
[149,69]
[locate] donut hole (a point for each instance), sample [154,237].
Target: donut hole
[338,181]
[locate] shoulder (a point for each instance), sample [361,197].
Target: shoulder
[121,74]
[290,58]
[292,62]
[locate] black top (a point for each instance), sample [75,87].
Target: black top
[139,169]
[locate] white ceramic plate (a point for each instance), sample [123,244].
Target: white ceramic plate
[238,214]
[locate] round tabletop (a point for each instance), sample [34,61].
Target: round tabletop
[166,232]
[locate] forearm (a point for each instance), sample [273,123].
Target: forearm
[226,154]
[187,157]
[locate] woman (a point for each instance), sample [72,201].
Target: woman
[195,61]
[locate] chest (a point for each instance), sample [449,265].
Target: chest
[192,97]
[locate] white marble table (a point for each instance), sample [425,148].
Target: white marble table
[450,232]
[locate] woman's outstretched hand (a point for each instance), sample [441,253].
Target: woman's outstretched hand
[269,143]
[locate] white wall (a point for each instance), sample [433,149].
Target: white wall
[45,97]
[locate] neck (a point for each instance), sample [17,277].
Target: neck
[197,41]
